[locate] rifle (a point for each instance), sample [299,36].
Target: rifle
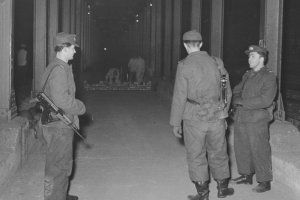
[49,107]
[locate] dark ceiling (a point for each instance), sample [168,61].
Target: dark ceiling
[115,15]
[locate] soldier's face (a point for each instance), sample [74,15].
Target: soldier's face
[254,60]
[70,51]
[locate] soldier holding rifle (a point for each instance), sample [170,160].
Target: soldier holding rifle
[58,84]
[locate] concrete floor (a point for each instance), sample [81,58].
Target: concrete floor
[133,156]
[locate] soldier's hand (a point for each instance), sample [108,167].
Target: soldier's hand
[177,131]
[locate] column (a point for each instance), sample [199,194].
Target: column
[88,37]
[73,16]
[39,43]
[167,39]
[177,35]
[143,31]
[52,27]
[8,109]
[83,34]
[158,49]
[273,39]
[66,16]
[152,9]
[217,27]
[146,38]
[78,20]
[196,15]
[140,35]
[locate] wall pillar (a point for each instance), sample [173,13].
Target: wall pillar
[147,35]
[8,109]
[152,37]
[52,27]
[177,42]
[66,16]
[143,32]
[273,40]
[167,39]
[78,20]
[73,16]
[39,43]
[88,36]
[140,35]
[216,32]
[83,35]
[158,37]
[196,15]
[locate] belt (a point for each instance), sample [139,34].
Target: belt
[192,101]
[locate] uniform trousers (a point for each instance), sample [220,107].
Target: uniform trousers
[206,148]
[59,162]
[253,150]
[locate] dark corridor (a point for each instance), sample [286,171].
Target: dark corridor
[111,47]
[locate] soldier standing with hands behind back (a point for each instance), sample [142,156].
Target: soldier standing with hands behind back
[197,101]
[253,98]
[60,88]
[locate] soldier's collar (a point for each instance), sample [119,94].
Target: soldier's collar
[197,53]
[61,62]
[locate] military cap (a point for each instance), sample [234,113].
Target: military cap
[62,38]
[258,49]
[192,35]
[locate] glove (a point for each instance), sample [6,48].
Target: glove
[237,101]
[177,131]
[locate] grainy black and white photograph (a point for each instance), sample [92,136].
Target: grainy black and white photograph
[149,99]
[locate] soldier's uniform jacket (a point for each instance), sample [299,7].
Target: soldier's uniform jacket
[198,79]
[258,90]
[60,88]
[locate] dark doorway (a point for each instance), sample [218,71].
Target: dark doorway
[291,59]
[23,39]
[241,29]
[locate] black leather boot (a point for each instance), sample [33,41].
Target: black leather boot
[262,187]
[202,191]
[243,179]
[72,197]
[223,190]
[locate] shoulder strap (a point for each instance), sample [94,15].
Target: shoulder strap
[219,62]
[51,68]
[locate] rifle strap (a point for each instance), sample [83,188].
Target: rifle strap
[51,68]
[218,65]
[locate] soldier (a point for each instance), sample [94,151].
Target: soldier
[196,101]
[113,76]
[60,88]
[21,75]
[137,67]
[253,98]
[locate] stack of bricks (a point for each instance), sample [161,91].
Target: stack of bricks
[122,86]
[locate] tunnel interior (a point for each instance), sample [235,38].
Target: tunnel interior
[110,24]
